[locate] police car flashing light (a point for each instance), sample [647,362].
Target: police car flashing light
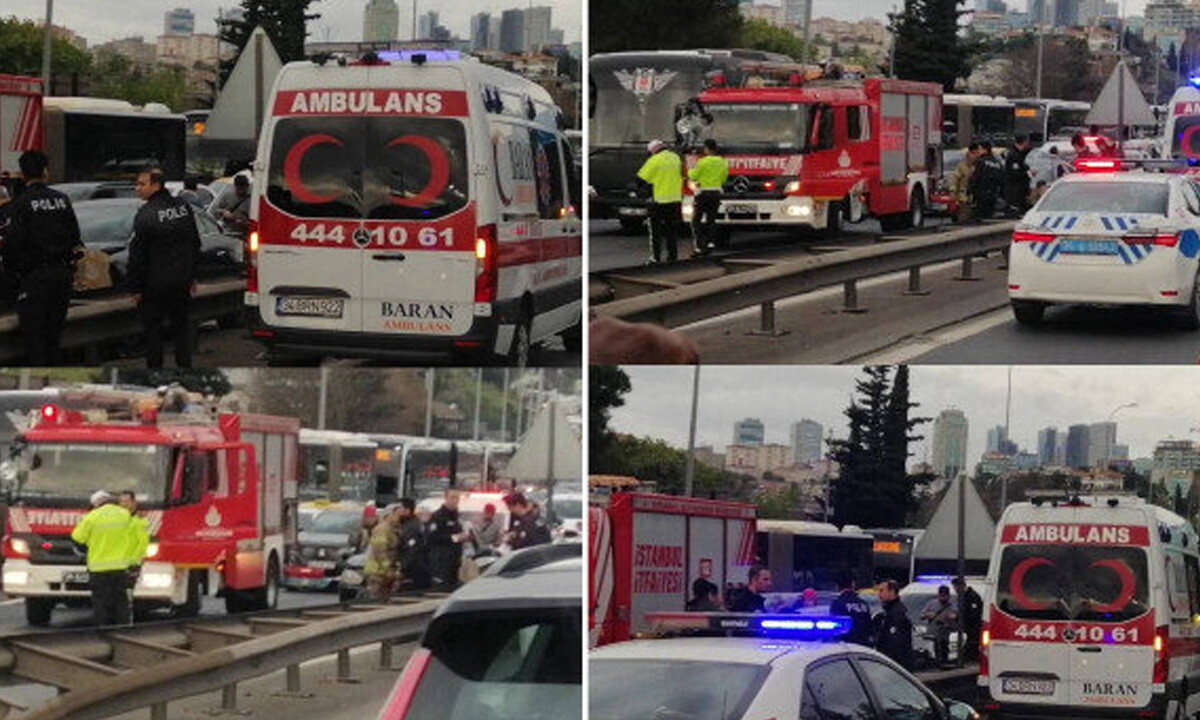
[1194,81]
[808,627]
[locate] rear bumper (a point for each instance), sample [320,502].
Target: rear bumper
[1143,283]
[302,578]
[1016,711]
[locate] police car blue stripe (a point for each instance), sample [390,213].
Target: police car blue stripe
[1121,221]
[1053,253]
[1045,221]
[1071,222]
[1123,252]
[1107,225]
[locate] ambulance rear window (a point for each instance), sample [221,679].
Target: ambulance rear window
[1110,197]
[378,168]
[1095,583]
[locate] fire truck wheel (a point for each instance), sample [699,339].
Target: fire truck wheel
[916,209]
[38,611]
[191,606]
[833,219]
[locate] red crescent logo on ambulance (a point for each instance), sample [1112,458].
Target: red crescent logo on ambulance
[291,168]
[1185,142]
[1017,583]
[1128,584]
[439,170]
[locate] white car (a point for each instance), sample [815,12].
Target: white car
[750,678]
[915,596]
[1115,237]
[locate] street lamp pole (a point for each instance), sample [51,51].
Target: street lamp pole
[46,43]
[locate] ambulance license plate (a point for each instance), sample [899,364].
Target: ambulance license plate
[81,577]
[741,209]
[1087,247]
[1027,686]
[311,307]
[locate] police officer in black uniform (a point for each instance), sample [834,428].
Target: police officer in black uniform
[163,257]
[42,244]
[527,527]
[445,536]
[893,629]
[850,603]
[413,553]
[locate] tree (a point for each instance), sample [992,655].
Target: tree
[781,504]
[1172,57]
[617,25]
[21,50]
[607,387]
[654,461]
[762,35]
[927,44]
[285,22]
[115,76]
[897,434]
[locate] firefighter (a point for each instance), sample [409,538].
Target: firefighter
[663,170]
[960,182]
[380,567]
[527,526]
[108,534]
[163,257]
[43,244]
[710,174]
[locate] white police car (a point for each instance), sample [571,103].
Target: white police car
[780,669]
[1111,234]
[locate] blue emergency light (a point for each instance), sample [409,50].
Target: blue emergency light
[426,55]
[797,627]
[1194,81]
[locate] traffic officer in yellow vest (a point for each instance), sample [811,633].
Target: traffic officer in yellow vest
[710,174]
[139,535]
[664,171]
[106,532]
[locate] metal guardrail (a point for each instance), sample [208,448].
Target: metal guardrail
[109,671]
[764,286]
[93,322]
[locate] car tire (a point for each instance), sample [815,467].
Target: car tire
[38,611]
[522,344]
[1189,315]
[916,209]
[1028,312]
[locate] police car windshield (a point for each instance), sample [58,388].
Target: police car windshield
[1073,582]
[72,472]
[391,168]
[765,126]
[1148,198]
[651,689]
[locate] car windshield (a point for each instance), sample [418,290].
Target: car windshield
[568,509]
[1072,582]
[914,603]
[779,126]
[71,472]
[106,224]
[336,522]
[1149,198]
[651,689]
[392,168]
[502,665]
[635,103]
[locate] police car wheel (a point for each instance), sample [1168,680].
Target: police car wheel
[1028,312]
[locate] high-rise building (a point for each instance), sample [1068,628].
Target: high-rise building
[512,31]
[381,21]
[179,21]
[1066,13]
[537,27]
[1060,450]
[1120,451]
[748,432]
[480,24]
[1077,446]
[427,23]
[1047,441]
[995,439]
[1040,11]
[493,41]
[1102,437]
[806,441]
[950,443]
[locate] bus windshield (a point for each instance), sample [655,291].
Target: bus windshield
[771,126]
[634,102]
[71,472]
[428,471]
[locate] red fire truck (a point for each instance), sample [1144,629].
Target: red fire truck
[20,119]
[811,154]
[218,490]
[646,550]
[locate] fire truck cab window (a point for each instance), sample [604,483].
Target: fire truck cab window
[854,125]
[823,131]
[196,472]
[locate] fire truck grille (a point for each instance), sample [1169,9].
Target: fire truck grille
[55,551]
[746,187]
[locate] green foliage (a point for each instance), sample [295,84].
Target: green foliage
[285,22]
[617,25]
[762,35]
[115,76]
[651,460]
[928,47]
[607,387]
[782,504]
[21,50]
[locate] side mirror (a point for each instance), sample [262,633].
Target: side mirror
[956,710]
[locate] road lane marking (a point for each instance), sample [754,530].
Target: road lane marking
[912,347]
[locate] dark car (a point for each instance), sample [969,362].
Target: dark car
[108,225]
[505,646]
[321,549]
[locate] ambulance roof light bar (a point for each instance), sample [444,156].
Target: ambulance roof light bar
[419,57]
[778,626]
[1194,81]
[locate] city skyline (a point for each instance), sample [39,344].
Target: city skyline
[879,9]
[1043,397]
[342,20]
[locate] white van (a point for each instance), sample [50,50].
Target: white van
[419,203]
[1092,611]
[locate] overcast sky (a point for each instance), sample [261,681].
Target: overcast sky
[340,19]
[1058,396]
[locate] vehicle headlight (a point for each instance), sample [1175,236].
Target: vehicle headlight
[800,207]
[157,580]
[792,187]
[19,546]
[15,577]
[152,550]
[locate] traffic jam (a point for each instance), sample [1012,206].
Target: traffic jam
[1089,607]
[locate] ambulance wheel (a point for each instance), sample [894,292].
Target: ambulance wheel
[1189,315]
[38,611]
[633,225]
[573,337]
[1028,312]
[519,348]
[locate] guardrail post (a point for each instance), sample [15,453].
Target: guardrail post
[850,297]
[229,702]
[158,711]
[967,274]
[292,684]
[914,282]
[1003,259]
[343,667]
[385,655]
[766,321]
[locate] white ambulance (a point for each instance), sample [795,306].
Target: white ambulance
[1092,611]
[413,203]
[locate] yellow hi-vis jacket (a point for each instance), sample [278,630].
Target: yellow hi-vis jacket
[139,539]
[107,533]
[664,171]
[711,172]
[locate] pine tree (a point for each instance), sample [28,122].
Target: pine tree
[285,22]
[1172,57]
[928,47]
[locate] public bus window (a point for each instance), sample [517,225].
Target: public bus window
[854,125]
[547,165]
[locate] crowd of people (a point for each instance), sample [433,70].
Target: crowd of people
[411,549]
[890,631]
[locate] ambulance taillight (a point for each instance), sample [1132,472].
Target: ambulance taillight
[251,257]
[486,264]
[985,646]
[1162,654]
